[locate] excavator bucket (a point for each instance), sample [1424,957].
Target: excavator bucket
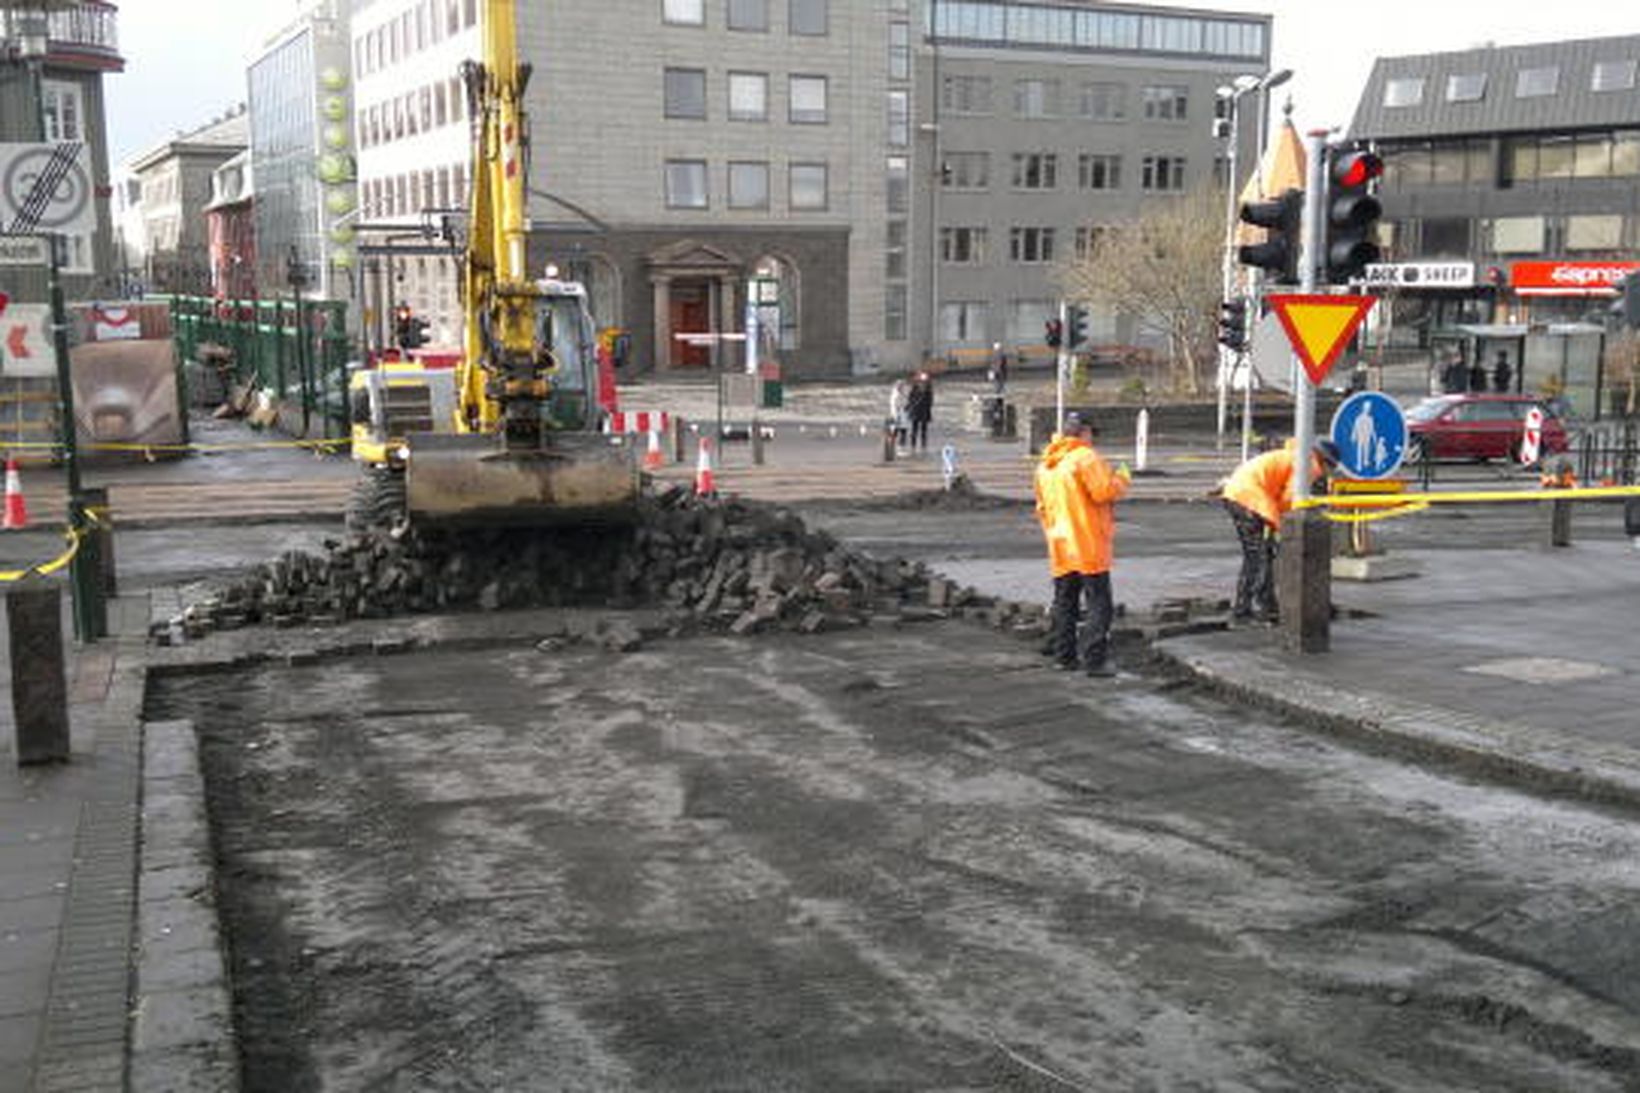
[466,480]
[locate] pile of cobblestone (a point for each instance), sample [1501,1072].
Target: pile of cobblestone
[732,565]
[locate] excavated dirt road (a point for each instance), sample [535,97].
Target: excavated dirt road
[884,859]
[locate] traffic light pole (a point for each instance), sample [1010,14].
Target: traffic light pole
[1304,566]
[1062,358]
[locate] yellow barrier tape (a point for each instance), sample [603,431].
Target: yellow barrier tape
[246,446]
[47,568]
[1391,500]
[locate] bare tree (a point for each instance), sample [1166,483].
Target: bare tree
[1623,367]
[1162,270]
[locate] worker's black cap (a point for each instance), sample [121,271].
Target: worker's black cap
[1076,423]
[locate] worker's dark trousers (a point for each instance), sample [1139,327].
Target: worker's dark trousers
[1088,645]
[1256,587]
[919,434]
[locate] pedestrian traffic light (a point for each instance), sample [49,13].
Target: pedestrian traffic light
[1053,333]
[1078,332]
[1351,215]
[1280,219]
[1233,325]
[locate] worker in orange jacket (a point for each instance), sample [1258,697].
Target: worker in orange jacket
[1257,495]
[1076,493]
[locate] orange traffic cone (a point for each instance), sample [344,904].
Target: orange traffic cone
[16,510]
[652,459]
[705,485]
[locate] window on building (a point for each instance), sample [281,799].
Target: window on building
[1036,98]
[1097,171]
[894,266]
[1585,233]
[748,96]
[1592,157]
[808,100]
[894,324]
[685,90]
[963,322]
[686,184]
[64,110]
[748,185]
[1446,237]
[1557,157]
[1531,83]
[899,119]
[807,16]
[966,171]
[1466,87]
[962,246]
[1612,76]
[1035,171]
[692,12]
[748,14]
[966,94]
[1406,91]
[1626,154]
[1166,102]
[441,109]
[1102,101]
[1517,235]
[899,51]
[1087,240]
[1030,244]
[1162,173]
[899,184]
[424,99]
[808,186]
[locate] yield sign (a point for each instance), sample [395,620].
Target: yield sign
[1320,326]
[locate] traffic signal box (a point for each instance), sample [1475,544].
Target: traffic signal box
[1078,320]
[1233,325]
[1352,216]
[1280,219]
[1053,333]
[409,331]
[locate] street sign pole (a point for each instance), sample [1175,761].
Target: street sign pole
[1062,358]
[1314,233]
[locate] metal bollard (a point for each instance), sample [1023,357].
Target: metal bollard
[1558,524]
[888,442]
[757,442]
[102,530]
[678,452]
[39,681]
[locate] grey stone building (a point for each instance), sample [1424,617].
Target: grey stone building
[174,182]
[1515,172]
[1038,124]
[81,46]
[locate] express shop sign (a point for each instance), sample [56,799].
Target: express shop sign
[1569,278]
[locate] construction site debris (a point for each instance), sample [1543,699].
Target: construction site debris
[730,566]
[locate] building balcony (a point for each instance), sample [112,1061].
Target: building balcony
[79,35]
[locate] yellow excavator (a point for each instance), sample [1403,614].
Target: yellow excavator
[520,441]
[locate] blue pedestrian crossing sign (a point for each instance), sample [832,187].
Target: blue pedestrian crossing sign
[1371,434]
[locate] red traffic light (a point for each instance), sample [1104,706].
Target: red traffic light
[1355,169]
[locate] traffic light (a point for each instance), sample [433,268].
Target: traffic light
[1233,325]
[1078,332]
[1280,219]
[1053,333]
[1351,215]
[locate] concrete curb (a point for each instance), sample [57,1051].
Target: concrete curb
[182,1036]
[1532,759]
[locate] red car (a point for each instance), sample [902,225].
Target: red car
[1478,427]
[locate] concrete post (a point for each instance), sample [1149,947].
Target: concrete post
[1304,582]
[1557,524]
[39,681]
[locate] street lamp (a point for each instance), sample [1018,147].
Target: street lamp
[1231,95]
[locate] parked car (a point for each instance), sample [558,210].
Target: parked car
[1479,426]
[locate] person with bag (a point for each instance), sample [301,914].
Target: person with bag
[1076,494]
[1257,495]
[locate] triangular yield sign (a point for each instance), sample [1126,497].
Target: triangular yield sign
[1320,326]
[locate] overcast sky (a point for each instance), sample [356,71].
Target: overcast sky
[185,61]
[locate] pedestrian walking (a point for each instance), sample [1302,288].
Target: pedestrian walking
[1076,492]
[1502,373]
[898,421]
[1477,377]
[1257,495]
[919,407]
[999,369]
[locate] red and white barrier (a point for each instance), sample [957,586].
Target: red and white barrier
[638,421]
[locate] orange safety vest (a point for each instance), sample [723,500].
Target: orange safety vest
[1264,484]
[1075,495]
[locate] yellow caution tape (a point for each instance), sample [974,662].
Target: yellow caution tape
[1391,500]
[47,568]
[152,449]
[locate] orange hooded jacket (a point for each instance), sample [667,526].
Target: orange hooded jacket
[1075,492]
[1264,484]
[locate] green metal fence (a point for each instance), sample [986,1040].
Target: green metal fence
[295,349]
